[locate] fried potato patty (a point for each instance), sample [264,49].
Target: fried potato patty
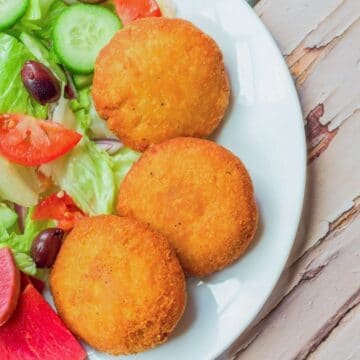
[160,78]
[118,285]
[199,195]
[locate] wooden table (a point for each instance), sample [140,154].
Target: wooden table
[314,313]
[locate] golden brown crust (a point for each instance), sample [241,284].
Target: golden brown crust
[199,195]
[118,285]
[160,78]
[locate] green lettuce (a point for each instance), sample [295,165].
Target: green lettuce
[89,174]
[8,217]
[87,116]
[122,163]
[25,262]
[39,9]
[13,95]
[42,54]
[34,10]
[20,244]
[86,175]
[40,18]
[50,13]
[20,184]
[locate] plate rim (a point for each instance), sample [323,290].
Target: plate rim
[227,345]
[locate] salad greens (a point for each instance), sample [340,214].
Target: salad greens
[35,10]
[8,217]
[18,184]
[14,98]
[51,10]
[88,174]
[20,243]
[89,120]
[122,163]
[40,18]
[42,54]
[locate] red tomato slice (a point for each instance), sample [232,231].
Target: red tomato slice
[130,10]
[59,207]
[31,142]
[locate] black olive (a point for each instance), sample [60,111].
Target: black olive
[40,82]
[46,246]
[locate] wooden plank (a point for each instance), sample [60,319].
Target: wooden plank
[346,333]
[315,307]
[333,185]
[325,63]
[325,288]
[291,21]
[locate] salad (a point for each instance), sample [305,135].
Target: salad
[58,161]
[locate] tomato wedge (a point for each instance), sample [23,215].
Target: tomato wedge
[60,207]
[130,10]
[27,141]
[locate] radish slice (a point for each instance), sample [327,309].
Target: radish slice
[9,285]
[36,332]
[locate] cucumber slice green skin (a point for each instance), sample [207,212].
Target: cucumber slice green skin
[80,33]
[11,11]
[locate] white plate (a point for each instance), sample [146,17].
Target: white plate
[265,129]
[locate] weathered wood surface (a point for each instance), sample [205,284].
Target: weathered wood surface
[314,313]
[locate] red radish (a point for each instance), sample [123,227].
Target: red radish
[26,280]
[9,285]
[36,332]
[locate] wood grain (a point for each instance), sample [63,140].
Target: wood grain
[325,290]
[314,312]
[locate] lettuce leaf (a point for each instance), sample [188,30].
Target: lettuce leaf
[122,163]
[20,244]
[86,175]
[90,121]
[25,262]
[13,95]
[39,8]
[33,11]
[8,217]
[40,18]
[20,184]
[50,13]
[42,54]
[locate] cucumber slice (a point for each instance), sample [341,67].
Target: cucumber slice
[80,33]
[11,11]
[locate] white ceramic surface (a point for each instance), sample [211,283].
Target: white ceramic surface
[265,129]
